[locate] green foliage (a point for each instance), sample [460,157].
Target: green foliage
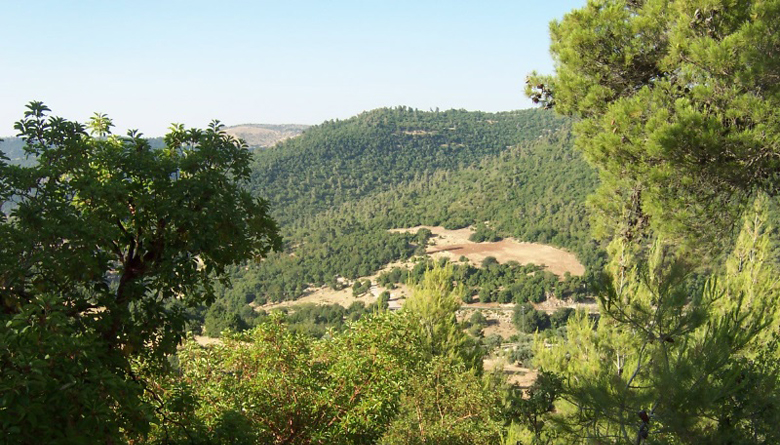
[492,342]
[527,319]
[322,257]
[432,305]
[678,103]
[338,225]
[384,298]
[483,234]
[523,351]
[360,287]
[107,241]
[531,407]
[478,319]
[448,406]
[489,262]
[393,276]
[59,382]
[218,319]
[681,358]
[277,386]
[337,162]
[504,283]
[561,316]
[317,320]
[366,384]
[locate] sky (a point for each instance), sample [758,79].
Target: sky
[148,64]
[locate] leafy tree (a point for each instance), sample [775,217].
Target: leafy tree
[527,319]
[561,316]
[489,262]
[383,300]
[273,385]
[531,407]
[677,101]
[484,234]
[219,319]
[449,405]
[381,379]
[106,243]
[478,319]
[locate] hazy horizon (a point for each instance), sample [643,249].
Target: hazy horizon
[148,64]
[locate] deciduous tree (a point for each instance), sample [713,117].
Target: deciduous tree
[105,242]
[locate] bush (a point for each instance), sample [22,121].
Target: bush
[561,316]
[527,319]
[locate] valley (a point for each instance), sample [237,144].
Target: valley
[341,190]
[601,268]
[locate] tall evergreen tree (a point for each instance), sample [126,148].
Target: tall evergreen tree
[678,104]
[671,364]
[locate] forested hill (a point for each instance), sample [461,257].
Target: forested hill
[337,188]
[13,149]
[342,161]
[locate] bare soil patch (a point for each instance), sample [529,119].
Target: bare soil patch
[325,295]
[551,304]
[206,341]
[523,377]
[499,318]
[265,135]
[454,244]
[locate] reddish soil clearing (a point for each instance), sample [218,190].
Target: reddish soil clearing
[455,243]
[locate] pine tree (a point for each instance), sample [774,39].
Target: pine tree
[667,363]
[678,105]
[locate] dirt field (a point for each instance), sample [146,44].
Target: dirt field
[523,377]
[499,318]
[455,243]
[552,304]
[263,135]
[206,341]
[326,295]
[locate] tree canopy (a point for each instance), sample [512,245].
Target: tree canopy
[677,102]
[103,243]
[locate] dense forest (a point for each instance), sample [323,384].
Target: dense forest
[113,247]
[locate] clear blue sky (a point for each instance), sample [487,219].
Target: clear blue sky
[149,63]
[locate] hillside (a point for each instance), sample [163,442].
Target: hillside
[343,161]
[13,149]
[338,189]
[265,135]
[255,135]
